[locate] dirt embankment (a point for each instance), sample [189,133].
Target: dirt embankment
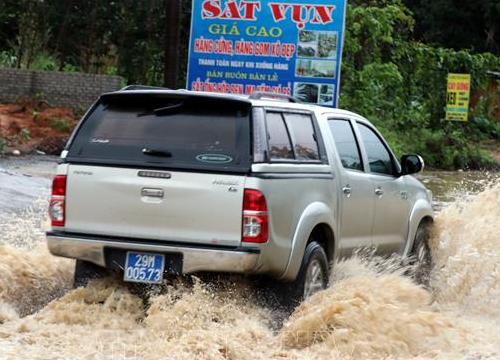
[29,126]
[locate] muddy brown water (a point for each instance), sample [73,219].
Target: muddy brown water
[370,311]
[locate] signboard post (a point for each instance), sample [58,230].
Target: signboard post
[173,10]
[457,98]
[291,47]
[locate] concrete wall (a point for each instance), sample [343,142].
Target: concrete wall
[75,90]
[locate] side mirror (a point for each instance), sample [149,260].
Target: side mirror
[411,164]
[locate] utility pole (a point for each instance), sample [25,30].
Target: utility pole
[173,12]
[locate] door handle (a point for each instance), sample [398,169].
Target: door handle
[379,192]
[347,191]
[152,192]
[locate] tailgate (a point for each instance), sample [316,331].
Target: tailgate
[161,165]
[189,207]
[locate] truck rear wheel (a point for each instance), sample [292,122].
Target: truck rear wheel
[86,271]
[313,274]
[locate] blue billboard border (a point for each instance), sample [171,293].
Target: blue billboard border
[339,67]
[190,44]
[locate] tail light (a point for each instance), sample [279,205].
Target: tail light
[254,220]
[57,201]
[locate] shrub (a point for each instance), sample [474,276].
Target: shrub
[61,124]
[3,144]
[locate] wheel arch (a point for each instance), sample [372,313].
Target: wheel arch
[317,219]
[323,234]
[422,212]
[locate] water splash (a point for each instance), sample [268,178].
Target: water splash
[466,253]
[370,311]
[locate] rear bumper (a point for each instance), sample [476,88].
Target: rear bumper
[194,258]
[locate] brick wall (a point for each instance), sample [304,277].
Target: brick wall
[76,90]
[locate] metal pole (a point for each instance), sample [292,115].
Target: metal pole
[173,9]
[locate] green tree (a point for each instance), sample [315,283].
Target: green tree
[473,25]
[400,85]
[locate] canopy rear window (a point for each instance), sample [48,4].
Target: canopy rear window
[152,130]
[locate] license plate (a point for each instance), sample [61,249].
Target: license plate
[144,267]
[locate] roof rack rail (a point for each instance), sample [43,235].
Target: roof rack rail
[143,87]
[273,96]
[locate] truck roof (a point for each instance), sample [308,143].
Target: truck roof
[265,99]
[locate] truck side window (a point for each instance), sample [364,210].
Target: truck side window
[379,158]
[280,147]
[303,138]
[346,144]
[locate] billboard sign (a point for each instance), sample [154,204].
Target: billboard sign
[291,47]
[457,97]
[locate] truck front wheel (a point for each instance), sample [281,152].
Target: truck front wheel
[422,257]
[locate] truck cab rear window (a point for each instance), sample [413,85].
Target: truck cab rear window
[177,133]
[280,147]
[291,136]
[302,133]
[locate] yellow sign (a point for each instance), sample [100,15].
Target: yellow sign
[457,98]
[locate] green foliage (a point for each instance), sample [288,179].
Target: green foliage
[7,58]
[33,33]
[36,116]
[3,145]
[400,85]
[25,134]
[61,124]
[470,25]
[45,62]
[124,37]
[70,68]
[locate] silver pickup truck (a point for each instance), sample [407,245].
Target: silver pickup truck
[156,182]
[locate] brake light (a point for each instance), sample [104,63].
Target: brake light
[254,219]
[57,201]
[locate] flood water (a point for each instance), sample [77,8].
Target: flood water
[370,311]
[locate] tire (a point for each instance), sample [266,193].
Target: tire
[422,256]
[86,271]
[312,276]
